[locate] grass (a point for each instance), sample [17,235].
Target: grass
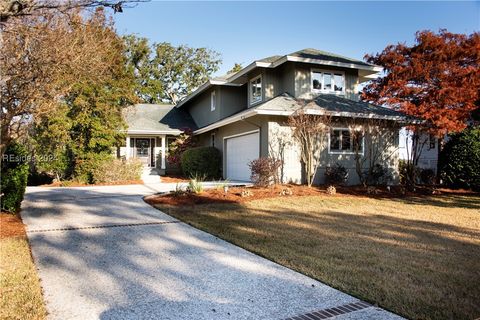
[419,257]
[21,295]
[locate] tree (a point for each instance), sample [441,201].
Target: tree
[309,131]
[436,79]
[236,67]
[459,161]
[43,58]
[374,144]
[165,73]
[87,121]
[11,9]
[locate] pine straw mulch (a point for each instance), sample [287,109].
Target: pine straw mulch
[234,194]
[11,225]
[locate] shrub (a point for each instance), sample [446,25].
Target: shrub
[181,144]
[336,175]
[427,176]
[407,170]
[264,171]
[116,170]
[378,175]
[85,166]
[459,160]
[201,161]
[14,174]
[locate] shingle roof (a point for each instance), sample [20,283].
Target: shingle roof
[333,103]
[157,117]
[310,53]
[330,104]
[269,59]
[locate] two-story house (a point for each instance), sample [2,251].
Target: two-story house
[244,115]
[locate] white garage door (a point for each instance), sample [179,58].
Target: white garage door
[239,152]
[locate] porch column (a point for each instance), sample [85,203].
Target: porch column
[163,151]
[127,152]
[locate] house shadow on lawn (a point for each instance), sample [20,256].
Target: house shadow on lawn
[407,264]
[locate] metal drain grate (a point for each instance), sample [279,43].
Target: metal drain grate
[332,312]
[103,226]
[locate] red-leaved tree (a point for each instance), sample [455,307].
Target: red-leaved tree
[437,79]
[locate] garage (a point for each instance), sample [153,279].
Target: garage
[240,150]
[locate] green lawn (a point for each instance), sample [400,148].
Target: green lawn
[419,257]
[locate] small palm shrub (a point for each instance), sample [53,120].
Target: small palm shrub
[378,175]
[264,171]
[336,175]
[195,185]
[14,176]
[427,176]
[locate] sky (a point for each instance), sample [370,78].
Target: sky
[245,31]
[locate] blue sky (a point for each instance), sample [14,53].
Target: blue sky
[245,31]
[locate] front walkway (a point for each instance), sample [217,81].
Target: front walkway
[102,253]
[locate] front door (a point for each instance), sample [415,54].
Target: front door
[142,147]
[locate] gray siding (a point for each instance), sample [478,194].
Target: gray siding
[282,146]
[303,80]
[230,100]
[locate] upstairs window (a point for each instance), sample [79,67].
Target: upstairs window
[213,101]
[256,90]
[328,81]
[343,141]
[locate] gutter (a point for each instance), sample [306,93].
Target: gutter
[251,113]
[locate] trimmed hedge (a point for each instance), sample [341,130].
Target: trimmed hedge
[14,177]
[459,160]
[201,161]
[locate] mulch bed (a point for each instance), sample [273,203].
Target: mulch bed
[11,225]
[173,179]
[234,194]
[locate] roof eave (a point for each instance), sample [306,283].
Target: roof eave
[372,68]
[204,87]
[154,132]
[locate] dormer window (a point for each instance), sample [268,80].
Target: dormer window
[213,101]
[324,81]
[256,90]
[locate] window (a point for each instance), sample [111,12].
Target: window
[432,141]
[343,141]
[213,101]
[328,81]
[256,89]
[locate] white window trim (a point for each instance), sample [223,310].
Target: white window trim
[213,101]
[333,72]
[253,102]
[345,152]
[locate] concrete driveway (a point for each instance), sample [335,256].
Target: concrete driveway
[102,253]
